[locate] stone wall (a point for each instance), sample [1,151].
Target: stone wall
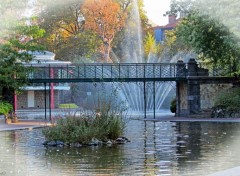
[193,96]
[182,101]
[22,100]
[39,100]
[209,91]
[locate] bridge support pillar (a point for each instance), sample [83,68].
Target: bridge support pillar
[188,92]
[45,99]
[145,99]
[182,109]
[194,103]
[50,99]
[154,100]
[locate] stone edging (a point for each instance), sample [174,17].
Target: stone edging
[230,172]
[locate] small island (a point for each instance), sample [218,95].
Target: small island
[95,128]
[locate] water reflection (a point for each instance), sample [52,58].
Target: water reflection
[156,148]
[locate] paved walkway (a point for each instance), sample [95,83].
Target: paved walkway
[229,172]
[22,124]
[188,119]
[181,119]
[25,124]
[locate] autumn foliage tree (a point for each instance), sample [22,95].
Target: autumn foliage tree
[150,46]
[64,25]
[106,18]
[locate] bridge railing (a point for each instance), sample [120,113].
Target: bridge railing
[217,70]
[104,71]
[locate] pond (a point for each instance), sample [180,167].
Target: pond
[156,148]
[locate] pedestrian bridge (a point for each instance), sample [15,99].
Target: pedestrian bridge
[188,77]
[110,72]
[123,72]
[107,72]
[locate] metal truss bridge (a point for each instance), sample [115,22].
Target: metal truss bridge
[106,72]
[124,72]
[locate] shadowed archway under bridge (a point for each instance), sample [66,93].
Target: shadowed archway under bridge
[187,76]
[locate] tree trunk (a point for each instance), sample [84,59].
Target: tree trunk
[107,49]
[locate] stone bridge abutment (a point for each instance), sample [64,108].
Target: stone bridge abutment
[197,91]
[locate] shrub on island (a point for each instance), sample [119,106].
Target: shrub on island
[105,126]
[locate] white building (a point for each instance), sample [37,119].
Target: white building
[40,95]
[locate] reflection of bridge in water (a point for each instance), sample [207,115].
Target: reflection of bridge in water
[188,77]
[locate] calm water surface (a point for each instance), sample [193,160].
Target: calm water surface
[156,148]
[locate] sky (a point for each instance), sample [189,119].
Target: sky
[155,10]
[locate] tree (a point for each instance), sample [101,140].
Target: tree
[58,16]
[127,37]
[127,7]
[206,30]
[65,18]
[13,53]
[224,11]
[180,8]
[210,39]
[62,21]
[80,48]
[66,35]
[173,44]
[15,36]
[106,19]
[10,14]
[150,46]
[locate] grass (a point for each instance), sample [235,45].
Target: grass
[69,105]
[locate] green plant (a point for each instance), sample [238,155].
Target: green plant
[5,109]
[102,125]
[106,120]
[230,99]
[173,107]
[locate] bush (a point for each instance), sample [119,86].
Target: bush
[5,108]
[103,125]
[173,107]
[230,99]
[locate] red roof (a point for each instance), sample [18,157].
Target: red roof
[172,25]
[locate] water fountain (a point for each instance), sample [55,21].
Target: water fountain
[133,53]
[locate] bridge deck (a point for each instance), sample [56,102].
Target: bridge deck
[106,72]
[123,72]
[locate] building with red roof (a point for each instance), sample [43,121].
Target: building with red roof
[159,31]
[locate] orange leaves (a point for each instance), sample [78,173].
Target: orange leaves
[104,17]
